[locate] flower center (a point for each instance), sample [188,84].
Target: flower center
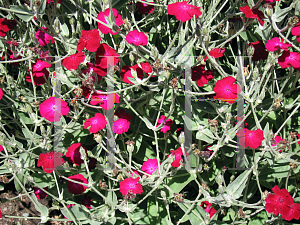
[185,7]
[50,157]
[250,134]
[280,200]
[54,108]
[137,39]
[95,121]
[132,185]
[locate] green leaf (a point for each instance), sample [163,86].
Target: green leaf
[25,118]
[195,215]
[43,179]
[203,106]
[139,216]
[201,136]
[42,7]
[40,207]
[65,30]
[22,12]
[179,181]
[78,212]
[235,189]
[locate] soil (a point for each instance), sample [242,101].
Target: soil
[23,207]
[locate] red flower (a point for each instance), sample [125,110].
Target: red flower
[120,126]
[167,124]
[74,188]
[38,80]
[40,194]
[178,156]
[276,140]
[250,138]
[0,214]
[296,31]
[96,69]
[87,201]
[260,51]
[104,29]
[49,107]
[183,11]
[144,8]
[217,52]
[73,154]
[293,213]
[98,122]
[288,59]
[39,65]
[102,51]
[1,148]
[276,43]
[105,101]
[137,38]
[126,71]
[90,39]
[50,160]
[227,91]
[279,202]
[92,163]
[43,37]
[298,138]
[73,61]
[271,1]
[202,76]
[6,25]
[253,14]
[130,184]
[150,166]
[208,208]
[124,115]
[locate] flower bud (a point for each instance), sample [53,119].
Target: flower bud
[181,138]
[131,57]
[250,50]
[82,153]
[98,138]
[268,10]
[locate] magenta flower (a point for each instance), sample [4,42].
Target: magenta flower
[38,66]
[253,14]
[208,208]
[226,90]
[167,125]
[183,11]
[276,43]
[96,123]
[130,184]
[250,138]
[49,107]
[90,39]
[137,38]
[201,75]
[150,166]
[101,16]
[120,126]
[288,59]
[296,31]
[40,194]
[75,188]
[1,148]
[43,37]
[73,154]
[73,61]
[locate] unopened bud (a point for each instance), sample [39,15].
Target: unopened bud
[181,138]
[268,9]
[131,57]
[250,50]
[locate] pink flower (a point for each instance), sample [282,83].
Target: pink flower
[50,160]
[150,166]
[298,138]
[74,188]
[49,107]
[43,37]
[183,11]
[227,91]
[167,124]
[1,148]
[0,214]
[39,66]
[208,208]
[250,138]
[296,31]
[126,71]
[101,16]
[73,61]
[253,14]
[279,202]
[144,8]
[293,213]
[201,75]
[87,201]
[96,123]
[137,38]
[260,51]
[271,1]
[103,51]
[96,69]
[120,126]
[73,154]
[130,184]
[90,39]
[276,140]
[288,59]
[40,194]
[178,156]
[217,52]
[276,43]
[51,1]
[105,101]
